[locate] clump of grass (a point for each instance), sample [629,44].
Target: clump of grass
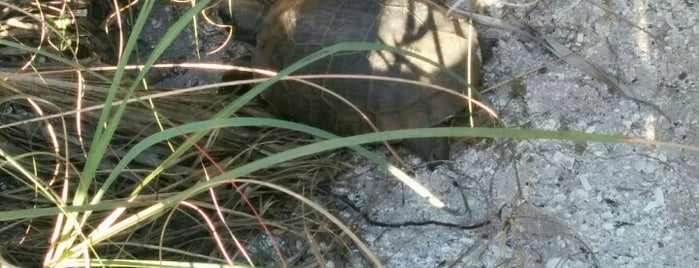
[92,192]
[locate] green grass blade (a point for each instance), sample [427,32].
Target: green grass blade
[101,141]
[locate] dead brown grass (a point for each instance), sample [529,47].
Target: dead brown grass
[47,122]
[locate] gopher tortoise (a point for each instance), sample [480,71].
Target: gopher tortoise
[294,29]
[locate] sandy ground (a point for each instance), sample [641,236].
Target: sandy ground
[582,205]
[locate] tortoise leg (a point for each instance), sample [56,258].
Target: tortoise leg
[430,150]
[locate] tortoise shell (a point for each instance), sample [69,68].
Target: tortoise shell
[294,29]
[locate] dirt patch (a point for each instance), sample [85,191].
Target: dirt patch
[582,205]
